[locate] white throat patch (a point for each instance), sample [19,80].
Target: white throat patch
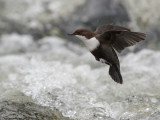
[91,44]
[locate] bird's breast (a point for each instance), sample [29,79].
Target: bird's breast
[91,44]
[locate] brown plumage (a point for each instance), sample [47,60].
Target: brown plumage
[110,37]
[119,37]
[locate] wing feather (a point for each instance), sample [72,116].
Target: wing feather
[126,39]
[108,27]
[118,37]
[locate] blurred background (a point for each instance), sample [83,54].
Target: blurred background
[41,65]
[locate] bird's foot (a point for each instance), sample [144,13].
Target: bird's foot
[104,61]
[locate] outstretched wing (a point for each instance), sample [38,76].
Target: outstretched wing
[119,37]
[105,28]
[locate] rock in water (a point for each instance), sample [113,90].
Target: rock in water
[27,111]
[94,13]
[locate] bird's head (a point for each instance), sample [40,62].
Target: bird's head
[83,33]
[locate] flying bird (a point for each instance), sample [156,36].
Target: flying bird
[105,40]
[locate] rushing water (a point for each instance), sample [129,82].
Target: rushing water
[65,76]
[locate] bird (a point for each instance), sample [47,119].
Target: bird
[106,41]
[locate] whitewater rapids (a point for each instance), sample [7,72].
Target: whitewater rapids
[64,76]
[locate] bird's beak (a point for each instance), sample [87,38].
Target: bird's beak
[71,34]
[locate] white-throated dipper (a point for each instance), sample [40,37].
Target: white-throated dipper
[105,40]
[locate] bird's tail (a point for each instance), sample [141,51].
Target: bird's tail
[115,73]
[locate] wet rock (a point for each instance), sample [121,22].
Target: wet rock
[37,18]
[50,17]
[142,19]
[152,41]
[14,105]
[94,13]
[27,111]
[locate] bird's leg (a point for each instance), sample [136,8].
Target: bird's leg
[100,60]
[97,58]
[108,63]
[104,61]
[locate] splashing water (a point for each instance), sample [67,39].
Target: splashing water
[67,78]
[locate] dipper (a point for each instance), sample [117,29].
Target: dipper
[105,40]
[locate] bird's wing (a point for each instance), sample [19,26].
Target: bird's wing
[120,39]
[126,39]
[105,28]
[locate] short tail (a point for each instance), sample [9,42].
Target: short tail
[114,72]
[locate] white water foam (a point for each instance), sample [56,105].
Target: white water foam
[80,87]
